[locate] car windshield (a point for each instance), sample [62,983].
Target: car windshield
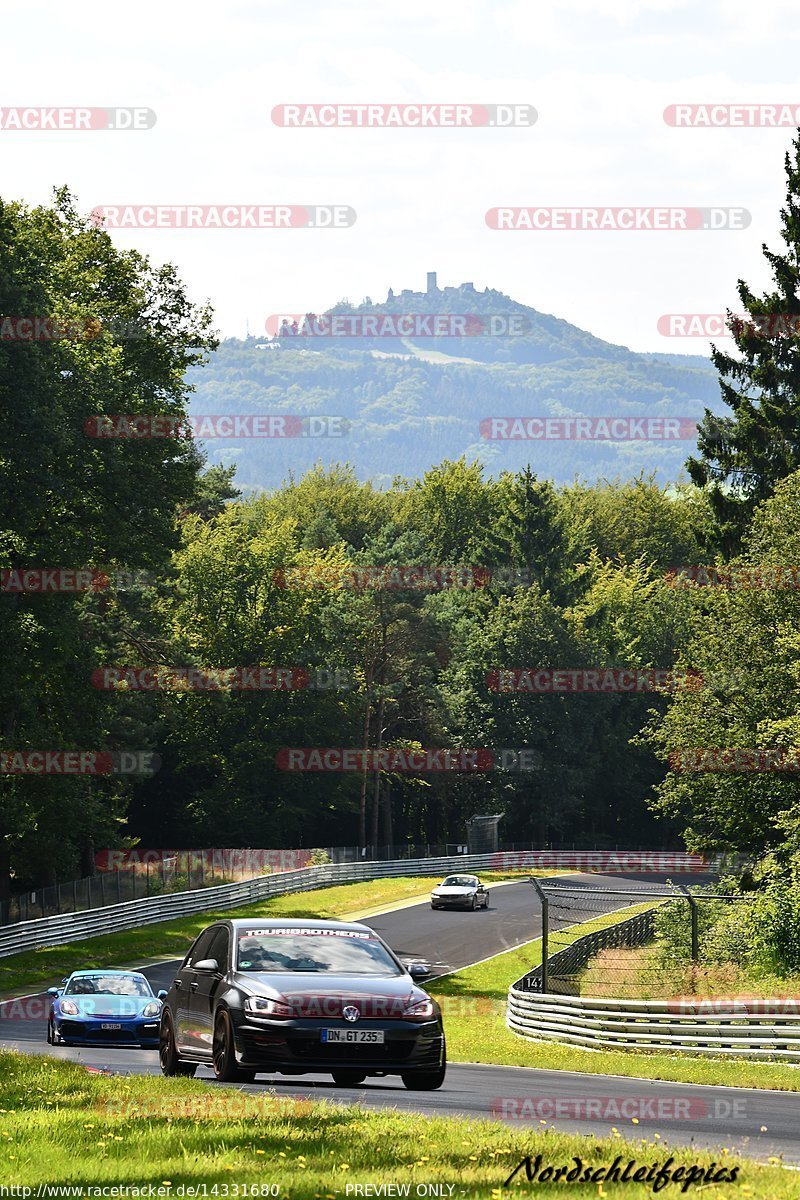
[108,985]
[314,951]
[459,881]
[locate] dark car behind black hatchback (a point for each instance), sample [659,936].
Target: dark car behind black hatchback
[297,998]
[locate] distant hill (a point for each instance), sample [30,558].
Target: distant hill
[411,401]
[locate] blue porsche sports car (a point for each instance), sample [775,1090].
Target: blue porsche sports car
[99,1007]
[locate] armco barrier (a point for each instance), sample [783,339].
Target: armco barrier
[600,1024]
[733,1029]
[72,927]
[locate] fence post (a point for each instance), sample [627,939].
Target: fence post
[545,903]
[695,930]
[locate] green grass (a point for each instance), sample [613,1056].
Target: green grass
[474,1006]
[60,1125]
[173,938]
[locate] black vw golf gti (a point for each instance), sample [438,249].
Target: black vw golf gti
[297,998]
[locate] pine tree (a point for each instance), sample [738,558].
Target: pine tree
[743,455]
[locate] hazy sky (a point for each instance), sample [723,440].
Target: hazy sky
[599,73]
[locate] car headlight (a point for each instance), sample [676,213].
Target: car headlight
[262,1006]
[69,1007]
[420,1010]
[152,1009]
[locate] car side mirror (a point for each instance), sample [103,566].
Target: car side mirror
[207,965]
[53,992]
[161,995]
[419,971]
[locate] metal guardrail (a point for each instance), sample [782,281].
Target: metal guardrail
[762,1029]
[654,1025]
[73,927]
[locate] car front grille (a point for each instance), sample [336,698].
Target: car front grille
[79,1029]
[310,1049]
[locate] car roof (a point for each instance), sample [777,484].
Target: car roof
[309,923]
[460,874]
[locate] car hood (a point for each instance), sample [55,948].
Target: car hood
[328,995]
[117,1007]
[451,890]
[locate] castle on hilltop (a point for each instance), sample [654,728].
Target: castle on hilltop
[432,289]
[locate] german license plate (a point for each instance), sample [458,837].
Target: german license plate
[349,1036]
[111,1027]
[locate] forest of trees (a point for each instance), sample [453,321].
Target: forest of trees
[699,578]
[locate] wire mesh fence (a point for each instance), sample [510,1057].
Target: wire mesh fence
[639,941]
[178,874]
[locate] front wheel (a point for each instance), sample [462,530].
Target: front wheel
[474,904]
[424,1081]
[347,1078]
[168,1051]
[226,1068]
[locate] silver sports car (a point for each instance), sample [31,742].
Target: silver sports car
[460,891]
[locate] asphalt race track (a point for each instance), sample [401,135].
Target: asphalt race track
[757,1123]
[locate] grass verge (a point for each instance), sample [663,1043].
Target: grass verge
[63,1126]
[474,1005]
